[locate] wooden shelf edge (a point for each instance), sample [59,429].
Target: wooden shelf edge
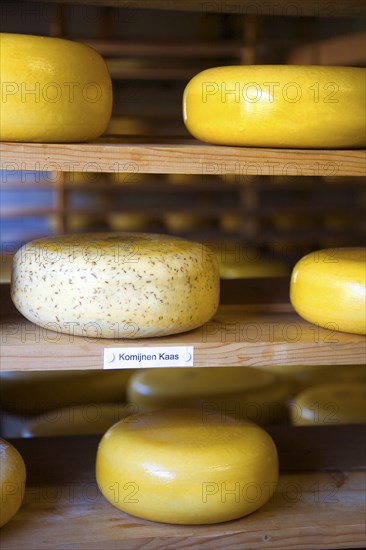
[179,157]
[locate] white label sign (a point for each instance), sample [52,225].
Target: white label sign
[144,357]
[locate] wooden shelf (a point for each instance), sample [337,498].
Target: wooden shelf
[255,326]
[296,8]
[179,157]
[63,507]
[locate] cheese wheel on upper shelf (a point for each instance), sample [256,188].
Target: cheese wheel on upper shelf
[332,403]
[116,285]
[12,481]
[53,90]
[328,288]
[38,391]
[278,106]
[175,466]
[243,392]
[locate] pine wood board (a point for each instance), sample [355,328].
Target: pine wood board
[248,332]
[179,157]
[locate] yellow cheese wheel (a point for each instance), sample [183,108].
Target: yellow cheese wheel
[278,106]
[130,221]
[172,466]
[185,221]
[243,392]
[333,403]
[38,391]
[328,288]
[252,269]
[301,377]
[12,481]
[53,90]
[116,285]
[91,418]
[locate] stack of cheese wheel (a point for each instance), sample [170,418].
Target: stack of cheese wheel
[278,106]
[12,481]
[173,466]
[328,288]
[54,90]
[90,418]
[332,403]
[32,393]
[242,392]
[116,285]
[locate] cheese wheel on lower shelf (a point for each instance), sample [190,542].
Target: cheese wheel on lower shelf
[333,403]
[12,481]
[252,269]
[116,285]
[86,419]
[53,90]
[174,466]
[301,377]
[328,288]
[278,106]
[38,391]
[245,393]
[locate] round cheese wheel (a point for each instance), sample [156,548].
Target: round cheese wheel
[278,106]
[328,288]
[174,466]
[130,221]
[91,418]
[116,285]
[185,221]
[242,392]
[53,90]
[12,481]
[38,391]
[301,377]
[252,269]
[333,403]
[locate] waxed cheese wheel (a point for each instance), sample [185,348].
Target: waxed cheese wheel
[245,393]
[332,403]
[36,392]
[278,106]
[86,419]
[12,481]
[300,377]
[53,90]
[116,285]
[174,466]
[328,288]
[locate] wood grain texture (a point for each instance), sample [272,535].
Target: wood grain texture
[66,510]
[179,156]
[246,333]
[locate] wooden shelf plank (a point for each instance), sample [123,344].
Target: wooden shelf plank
[245,333]
[63,508]
[296,8]
[179,157]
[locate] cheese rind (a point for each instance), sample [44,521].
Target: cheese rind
[278,106]
[174,466]
[116,285]
[333,403]
[12,481]
[245,393]
[328,288]
[53,90]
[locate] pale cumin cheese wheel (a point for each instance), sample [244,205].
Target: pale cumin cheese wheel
[306,106]
[53,90]
[116,285]
[176,466]
[12,481]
